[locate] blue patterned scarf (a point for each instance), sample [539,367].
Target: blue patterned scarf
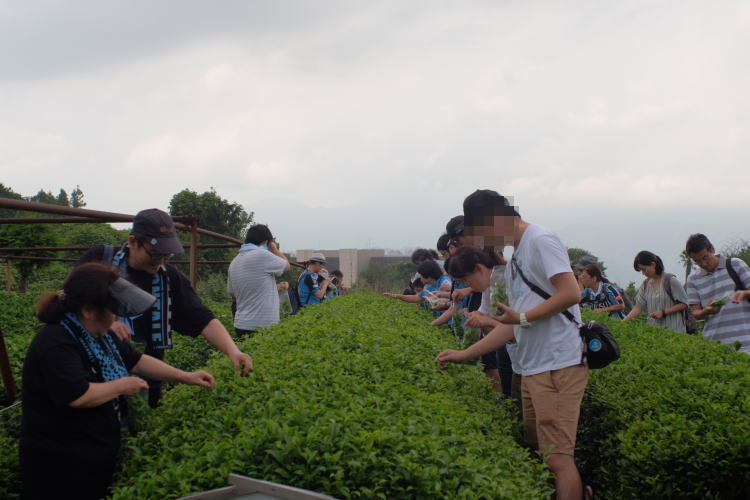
[101,352]
[161,311]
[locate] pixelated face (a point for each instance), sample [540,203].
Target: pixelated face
[492,230]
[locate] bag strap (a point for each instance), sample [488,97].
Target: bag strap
[539,291]
[733,274]
[668,285]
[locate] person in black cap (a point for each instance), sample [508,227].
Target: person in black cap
[75,377]
[142,260]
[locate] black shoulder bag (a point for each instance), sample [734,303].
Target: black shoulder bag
[600,346]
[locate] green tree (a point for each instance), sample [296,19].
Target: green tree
[7,192]
[387,277]
[687,263]
[76,235]
[738,248]
[76,198]
[45,197]
[27,235]
[576,255]
[215,214]
[62,198]
[632,291]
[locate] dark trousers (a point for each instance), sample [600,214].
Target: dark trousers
[54,474]
[154,386]
[506,369]
[243,333]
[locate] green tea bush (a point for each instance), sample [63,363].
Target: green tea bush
[345,399]
[670,419]
[19,324]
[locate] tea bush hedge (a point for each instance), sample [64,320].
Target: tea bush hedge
[670,419]
[19,324]
[349,388]
[345,400]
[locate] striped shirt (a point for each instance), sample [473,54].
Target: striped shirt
[252,280]
[732,322]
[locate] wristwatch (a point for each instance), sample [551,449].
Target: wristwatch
[523,321]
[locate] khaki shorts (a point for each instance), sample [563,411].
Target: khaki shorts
[551,406]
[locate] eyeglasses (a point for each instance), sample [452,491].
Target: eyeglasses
[157,257]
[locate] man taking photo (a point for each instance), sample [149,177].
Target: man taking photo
[252,280]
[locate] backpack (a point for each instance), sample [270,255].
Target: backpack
[691,325]
[294,299]
[599,345]
[625,298]
[735,277]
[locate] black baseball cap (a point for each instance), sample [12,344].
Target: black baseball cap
[157,228]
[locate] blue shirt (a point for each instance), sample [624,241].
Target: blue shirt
[434,288]
[307,293]
[443,279]
[608,295]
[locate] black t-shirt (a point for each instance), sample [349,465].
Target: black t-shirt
[56,372]
[189,315]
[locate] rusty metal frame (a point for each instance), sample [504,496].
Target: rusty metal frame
[187,223]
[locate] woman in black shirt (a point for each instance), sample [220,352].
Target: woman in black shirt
[74,378]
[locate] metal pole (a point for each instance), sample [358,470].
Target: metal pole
[75,212]
[83,249]
[10,385]
[194,254]
[8,275]
[40,259]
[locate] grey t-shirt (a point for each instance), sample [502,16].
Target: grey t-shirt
[252,280]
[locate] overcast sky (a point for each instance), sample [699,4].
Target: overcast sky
[621,125]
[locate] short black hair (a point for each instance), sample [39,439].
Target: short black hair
[463,262]
[337,273]
[442,243]
[421,255]
[484,203]
[455,227]
[698,242]
[646,258]
[257,234]
[430,269]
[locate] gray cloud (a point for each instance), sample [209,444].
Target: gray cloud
[622,126]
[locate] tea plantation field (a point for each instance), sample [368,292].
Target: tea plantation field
[345,400]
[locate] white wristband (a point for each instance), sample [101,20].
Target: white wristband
[523,321]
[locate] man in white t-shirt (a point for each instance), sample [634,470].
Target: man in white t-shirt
[252,280]
[549,348]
